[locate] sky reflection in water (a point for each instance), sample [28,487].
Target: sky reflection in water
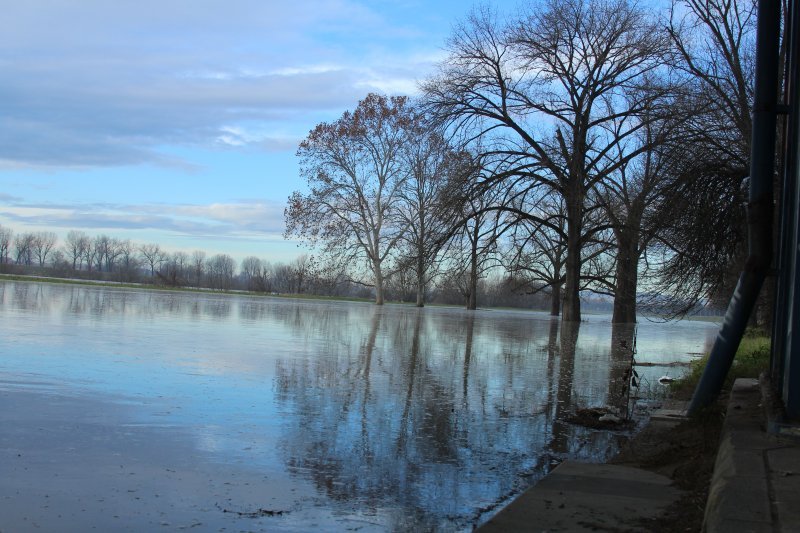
[395,416]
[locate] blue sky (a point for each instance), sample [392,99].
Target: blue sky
[176,122]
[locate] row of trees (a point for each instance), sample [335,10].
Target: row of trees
[107,258]
[583,145]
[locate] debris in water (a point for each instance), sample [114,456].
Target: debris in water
[258,513]
[599,418]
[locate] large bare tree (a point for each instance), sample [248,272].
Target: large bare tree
[638,198]
[471,252]
[427,207]
[553,93]
[355,172]
[537,254]
[703,245]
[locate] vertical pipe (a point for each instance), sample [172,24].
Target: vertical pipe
[786,286]
[759,209]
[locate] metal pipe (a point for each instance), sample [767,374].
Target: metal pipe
[787,233]
[759,209]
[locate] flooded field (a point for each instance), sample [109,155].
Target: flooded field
[138,410]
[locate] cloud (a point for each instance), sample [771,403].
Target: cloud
[240,136]
[310,69]
[243,219]
[98,84]
[7,198]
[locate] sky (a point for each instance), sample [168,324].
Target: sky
[176,122]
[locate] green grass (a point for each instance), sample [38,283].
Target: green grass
[752,358]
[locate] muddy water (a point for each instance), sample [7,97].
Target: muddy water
[138,410]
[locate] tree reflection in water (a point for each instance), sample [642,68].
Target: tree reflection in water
[431,418]
[620,365]
[401,417]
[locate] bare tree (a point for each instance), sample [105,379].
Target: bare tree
[538,252]
[256,274]
[637,200]
[715,41]
[220,271]
[426,209]
[89,254]
[283,278]
[471,250]
[251,271]
[58,261]
[23,248]
[198,267]
[551,95]
[173,271]
[6,236]
[303,269]
[102,245]
[128,262]
[181,262]
[355,171]
[75,247]
[107,251]
[42,244]
[153,256]
[703,246]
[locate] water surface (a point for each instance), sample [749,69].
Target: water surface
[134,409]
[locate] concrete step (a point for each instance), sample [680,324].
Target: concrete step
[588,497]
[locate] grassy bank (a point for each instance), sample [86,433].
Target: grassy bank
[752,358]
[99,283]
[147,286]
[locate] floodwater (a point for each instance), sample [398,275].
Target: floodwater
[142,410]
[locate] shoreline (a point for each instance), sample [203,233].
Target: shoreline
[310,297]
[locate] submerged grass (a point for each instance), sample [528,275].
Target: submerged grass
[752,358]
[153,287]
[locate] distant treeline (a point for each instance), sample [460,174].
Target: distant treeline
[106,258]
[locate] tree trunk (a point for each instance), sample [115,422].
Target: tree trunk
[555,299]
[627,274]
[420,280]
[472,302]
[564,397]
[571,311]
[472,299]
[621,366]
[467,358]
[376,267]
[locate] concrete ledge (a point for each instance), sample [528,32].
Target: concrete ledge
[675,416]
[588,497]
[755,486]
[751,489]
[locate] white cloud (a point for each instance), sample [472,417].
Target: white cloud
[243,219]
[94,83]
[406,86]
[241,136]
[310,69]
